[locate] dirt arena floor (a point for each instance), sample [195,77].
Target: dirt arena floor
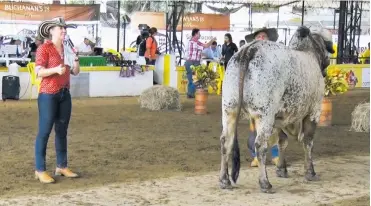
[129,156]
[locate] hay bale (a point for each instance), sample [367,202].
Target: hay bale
[361,118]
[160,97]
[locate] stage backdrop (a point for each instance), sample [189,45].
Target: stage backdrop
[39,12]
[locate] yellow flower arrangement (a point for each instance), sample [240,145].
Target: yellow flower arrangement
[336,81]
[204,77]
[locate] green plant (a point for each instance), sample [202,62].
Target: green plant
[336,81]
[204,77]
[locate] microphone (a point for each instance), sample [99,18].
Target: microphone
[69,42]
[67,38]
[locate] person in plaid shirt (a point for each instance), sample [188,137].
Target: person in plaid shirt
[193,58]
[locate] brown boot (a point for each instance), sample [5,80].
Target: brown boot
[276,160]
[65,172]
[255,162]
[44,177]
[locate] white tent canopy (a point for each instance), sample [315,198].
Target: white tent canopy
[273,3]
[38,22]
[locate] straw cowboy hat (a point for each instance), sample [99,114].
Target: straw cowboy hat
[45,26]
[271,33]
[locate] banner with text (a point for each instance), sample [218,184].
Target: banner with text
[204,22]
[40,12]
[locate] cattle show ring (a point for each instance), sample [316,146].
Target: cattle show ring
[181,130]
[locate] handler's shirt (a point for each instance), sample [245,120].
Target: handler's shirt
[195,48]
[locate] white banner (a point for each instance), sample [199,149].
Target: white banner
[366,77]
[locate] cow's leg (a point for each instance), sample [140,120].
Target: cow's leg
[281,170]
[309,128]
[226,145]
[264,128]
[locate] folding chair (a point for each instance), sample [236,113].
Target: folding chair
[33,79]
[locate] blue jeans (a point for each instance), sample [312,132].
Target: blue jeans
[191,90]
[252,137]
[274,149]
[54,109]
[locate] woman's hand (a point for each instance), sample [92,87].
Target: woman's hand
[61,69]
[76,67]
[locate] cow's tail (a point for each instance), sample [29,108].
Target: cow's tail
[242,60]
[236,162]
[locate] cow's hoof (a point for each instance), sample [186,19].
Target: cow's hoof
[268,191]
[225,184]
[282,172]
[311,178]
[266,187]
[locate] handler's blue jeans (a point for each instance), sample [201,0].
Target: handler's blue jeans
[54,109]
[251,142]
[191,90]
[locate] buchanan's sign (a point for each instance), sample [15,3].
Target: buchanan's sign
[209,22]
[40,12]
[206,22]
[33,8]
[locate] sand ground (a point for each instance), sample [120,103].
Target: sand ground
[129,156]
[338,183]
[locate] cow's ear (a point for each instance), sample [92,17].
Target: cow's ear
[329,47]
[303,31]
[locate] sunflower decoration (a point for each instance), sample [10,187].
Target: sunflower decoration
[336,81]
[204,77]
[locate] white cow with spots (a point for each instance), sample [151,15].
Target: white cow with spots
[281,88]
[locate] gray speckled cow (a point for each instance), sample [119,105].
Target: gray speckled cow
[281,88]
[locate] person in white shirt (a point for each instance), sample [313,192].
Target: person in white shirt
[212,52]
[85,47]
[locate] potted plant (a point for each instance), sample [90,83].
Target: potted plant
[335,83]
[203,78]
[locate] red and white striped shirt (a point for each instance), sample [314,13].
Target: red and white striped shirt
[195,49]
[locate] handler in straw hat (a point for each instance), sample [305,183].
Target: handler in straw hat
[263,34]
[269,34]
[54,101]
